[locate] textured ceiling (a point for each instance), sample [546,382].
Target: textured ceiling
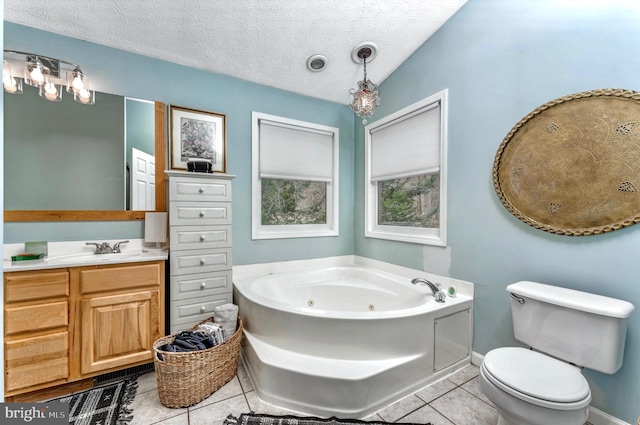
[264,41]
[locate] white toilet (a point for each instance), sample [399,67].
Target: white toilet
[566,330]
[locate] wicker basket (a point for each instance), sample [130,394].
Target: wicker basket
[185,379]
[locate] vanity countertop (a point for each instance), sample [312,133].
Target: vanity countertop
[77,254]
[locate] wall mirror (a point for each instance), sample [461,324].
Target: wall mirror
[64,161]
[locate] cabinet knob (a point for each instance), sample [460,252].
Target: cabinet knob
[202,238]
[201,190]
[201,213]
[203,285]
[203,309]
[202,261]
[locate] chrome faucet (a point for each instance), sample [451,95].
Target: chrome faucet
[435,288]
[116,247]
[105,248]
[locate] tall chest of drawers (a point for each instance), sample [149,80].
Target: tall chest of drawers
[200,246]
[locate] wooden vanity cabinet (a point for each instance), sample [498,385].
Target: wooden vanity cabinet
[69,324]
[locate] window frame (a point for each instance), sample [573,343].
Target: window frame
[260,231]
[425,236]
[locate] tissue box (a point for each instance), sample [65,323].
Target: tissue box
[41,247]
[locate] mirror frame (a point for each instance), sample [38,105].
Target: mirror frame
[18,216]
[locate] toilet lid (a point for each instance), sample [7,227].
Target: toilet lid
[537,375]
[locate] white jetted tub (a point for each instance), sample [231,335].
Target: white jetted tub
[347,340]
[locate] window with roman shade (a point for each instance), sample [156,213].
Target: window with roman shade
[295,175]
[406,174]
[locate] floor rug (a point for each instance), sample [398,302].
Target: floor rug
[258,419]
[105,405]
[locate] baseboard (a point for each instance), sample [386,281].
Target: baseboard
[476,358]
[596,416]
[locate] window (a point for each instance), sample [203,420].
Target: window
[295,178]
[405,174]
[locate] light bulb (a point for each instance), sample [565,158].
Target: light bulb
[9,83]
[36,75]
[77,84]
[84,95]
[50,91]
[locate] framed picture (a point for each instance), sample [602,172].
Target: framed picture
[198,135]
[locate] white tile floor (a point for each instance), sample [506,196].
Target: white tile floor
[455,400]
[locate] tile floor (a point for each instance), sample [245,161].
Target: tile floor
[455,400]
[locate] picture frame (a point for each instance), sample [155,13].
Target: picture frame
[197,134]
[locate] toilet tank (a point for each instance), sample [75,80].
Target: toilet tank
[585,329]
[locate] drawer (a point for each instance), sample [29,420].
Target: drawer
[200,285]
[202,237]
[37,360]
[36,317]
[199,189]
[199,213]
[36,286]
[191,311]
[200,261]
[116,278]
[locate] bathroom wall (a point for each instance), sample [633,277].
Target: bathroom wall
[500,59]
[118,72]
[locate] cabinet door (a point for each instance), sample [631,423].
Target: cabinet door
[118,330]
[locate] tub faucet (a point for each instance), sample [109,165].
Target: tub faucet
[437,293]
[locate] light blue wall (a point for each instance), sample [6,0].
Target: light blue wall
[119,72]
[500,59]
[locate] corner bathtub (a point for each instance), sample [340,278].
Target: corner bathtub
[347,341]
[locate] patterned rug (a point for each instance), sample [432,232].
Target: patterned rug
[258,419]
[106,405]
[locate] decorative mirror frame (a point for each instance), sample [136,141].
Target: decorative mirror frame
[18,216]
[572,166]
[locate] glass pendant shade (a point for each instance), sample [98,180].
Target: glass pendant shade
[50,91]
[35,73]
[10,84]
[76,81]
[85,96]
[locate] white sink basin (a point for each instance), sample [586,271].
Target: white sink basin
[90,257]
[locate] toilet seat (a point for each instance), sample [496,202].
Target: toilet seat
[536,378]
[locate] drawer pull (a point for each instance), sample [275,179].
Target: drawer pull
[203,309]
[202,238]
[202,261]
[201,213]
[201,190]
[203,285]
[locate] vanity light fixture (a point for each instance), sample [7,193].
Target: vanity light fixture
[366,98]
[48,75]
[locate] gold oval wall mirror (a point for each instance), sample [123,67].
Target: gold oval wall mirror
[68,166]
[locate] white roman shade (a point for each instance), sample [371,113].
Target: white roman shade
[295,153]
[407,146]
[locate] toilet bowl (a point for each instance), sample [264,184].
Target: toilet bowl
[530,388]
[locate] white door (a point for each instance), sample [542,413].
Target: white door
[143,181]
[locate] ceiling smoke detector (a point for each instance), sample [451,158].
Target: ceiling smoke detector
[316,63]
